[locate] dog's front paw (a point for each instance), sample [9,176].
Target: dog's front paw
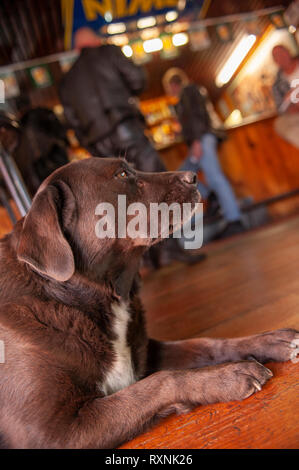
[234,381]
[222,383]
[279,345]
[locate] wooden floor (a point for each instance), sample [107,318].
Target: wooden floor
[247,285]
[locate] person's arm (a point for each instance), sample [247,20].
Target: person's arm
[133,75]
[196,149]
[192,117]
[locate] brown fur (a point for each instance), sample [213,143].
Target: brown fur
[57,285]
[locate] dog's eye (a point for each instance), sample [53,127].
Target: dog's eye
[122,174]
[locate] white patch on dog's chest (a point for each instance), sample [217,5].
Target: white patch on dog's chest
[121,374]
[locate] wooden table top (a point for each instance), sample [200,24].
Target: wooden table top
[247,285]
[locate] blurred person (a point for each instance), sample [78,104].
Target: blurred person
[9,131]
[285,96]
[201,139]
[42,146]
[99,95]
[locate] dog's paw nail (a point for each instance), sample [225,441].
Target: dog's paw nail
[269,371]
[257,385]
[294,357]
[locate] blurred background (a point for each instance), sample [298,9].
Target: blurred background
[223,47]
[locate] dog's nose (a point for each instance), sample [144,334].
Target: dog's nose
[189,177]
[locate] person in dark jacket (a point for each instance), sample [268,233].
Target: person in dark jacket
[200,137]
[98,94]
[42,147]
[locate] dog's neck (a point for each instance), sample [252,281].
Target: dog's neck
[107,279]
[119,270]
[96,292]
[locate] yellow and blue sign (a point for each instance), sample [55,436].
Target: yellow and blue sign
[97,13]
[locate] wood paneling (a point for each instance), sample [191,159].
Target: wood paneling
[261,164]
[29,29]
[174,155]
[5,223]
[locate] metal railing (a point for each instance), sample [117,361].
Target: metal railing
[15,186]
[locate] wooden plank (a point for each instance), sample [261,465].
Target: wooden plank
[247,285]
[266,420]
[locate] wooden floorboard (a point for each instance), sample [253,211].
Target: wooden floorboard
[267,420]
[247,285]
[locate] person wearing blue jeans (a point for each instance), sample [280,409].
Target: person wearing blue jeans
[202,141]
[217,182]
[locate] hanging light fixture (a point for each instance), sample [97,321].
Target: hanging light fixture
[238,55]
[127,50]
[152,45]
[116,28]
[171,15]
[179,39]
[146,22]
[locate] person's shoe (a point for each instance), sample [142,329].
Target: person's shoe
[232,228]
[213,207]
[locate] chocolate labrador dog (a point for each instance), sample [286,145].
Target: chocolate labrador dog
[77,368]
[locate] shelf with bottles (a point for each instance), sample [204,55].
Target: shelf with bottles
[163,127]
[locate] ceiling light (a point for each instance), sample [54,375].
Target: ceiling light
[146,22]
[127,50]
[171,15]
[180,39]
[149,33]
[116,28]
[238,55]
[119,40]
[108,16]
[152,45]
[234,118]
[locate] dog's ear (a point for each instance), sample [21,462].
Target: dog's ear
[42,243]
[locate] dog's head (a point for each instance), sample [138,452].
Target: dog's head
[59,233]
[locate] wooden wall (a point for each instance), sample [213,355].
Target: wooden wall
[258,163]
[261,164]
[5,223]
